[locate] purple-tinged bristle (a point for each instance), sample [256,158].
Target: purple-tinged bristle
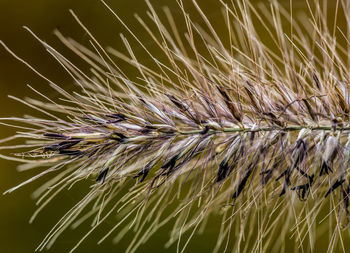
[56,136]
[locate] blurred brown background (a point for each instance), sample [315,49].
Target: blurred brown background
[43,16]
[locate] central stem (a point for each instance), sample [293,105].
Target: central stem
[268,129]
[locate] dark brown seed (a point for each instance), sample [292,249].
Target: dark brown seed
[102,175]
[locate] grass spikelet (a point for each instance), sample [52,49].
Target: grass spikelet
[252,126]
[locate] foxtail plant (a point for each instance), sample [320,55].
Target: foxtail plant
[253,127]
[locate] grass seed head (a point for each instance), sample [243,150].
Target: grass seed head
[238,128]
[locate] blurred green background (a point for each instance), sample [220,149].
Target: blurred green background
[43,16]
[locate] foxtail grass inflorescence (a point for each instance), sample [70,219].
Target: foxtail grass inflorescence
[255,130]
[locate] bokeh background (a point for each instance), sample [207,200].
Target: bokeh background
[43,16]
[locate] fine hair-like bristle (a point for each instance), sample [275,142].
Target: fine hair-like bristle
[255,130]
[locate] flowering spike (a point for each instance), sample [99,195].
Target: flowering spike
[217,125]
